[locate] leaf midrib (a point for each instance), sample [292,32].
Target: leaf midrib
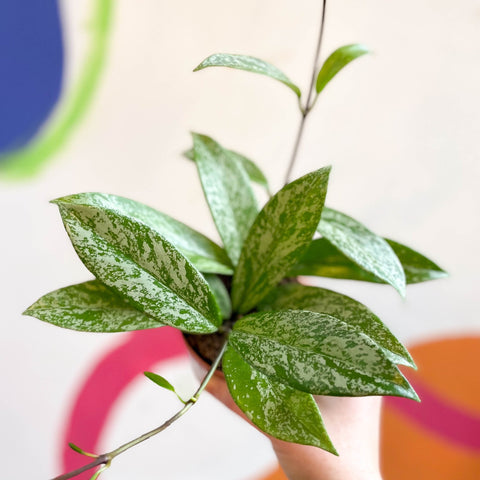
[129,258]
[342,363]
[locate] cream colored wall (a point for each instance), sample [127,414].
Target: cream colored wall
[399,127]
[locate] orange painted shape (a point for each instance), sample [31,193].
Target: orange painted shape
[410,452]
[449,368]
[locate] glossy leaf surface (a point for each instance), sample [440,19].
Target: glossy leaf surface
[417,267]
[228,192]
[140,265]
[249,64]
[278,238]
[205,255]
[322,259]
[274,407]
[337,61]
[253,171]
[301,297]
[251,168]
[221,294]
[318,354]
[90,307]
[363,247]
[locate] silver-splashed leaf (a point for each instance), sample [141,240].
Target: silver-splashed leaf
[417,267]
[90,307]
[275,408]
[324,260]
[249,64]
[278,237]
[228,193]
[204,254]
[363,247]
[317,353]
[251,168]
[301,297]
[141,266]
[221,294]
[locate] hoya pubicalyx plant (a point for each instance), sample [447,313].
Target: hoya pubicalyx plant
[279,342]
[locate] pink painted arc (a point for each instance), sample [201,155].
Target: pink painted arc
[440,418]
[141,351]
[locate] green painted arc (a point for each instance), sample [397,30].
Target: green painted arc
[30,159]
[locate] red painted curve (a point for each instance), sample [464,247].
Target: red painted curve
[140,352]
[439,417]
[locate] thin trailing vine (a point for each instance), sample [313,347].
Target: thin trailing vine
[107,458]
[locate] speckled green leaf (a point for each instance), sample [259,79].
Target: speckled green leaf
[363,247]
[228,192]
[249,64]
[301,297]
[318,354]
[336,61]
[417,267]
[90,307]
[274,407]
[324,260]
[253,171]
[141,266]
[205,255]
[278,237]
[221,294]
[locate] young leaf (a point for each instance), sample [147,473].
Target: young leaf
[141,266]
[278,237]
[300,297]
[252,170]
[162,382]
[249,64]
[205,255]
[317,353]
[274,407]
[338,60]
[324,260]
[90,307]
[363,247]
[221,294]
[77,449]
[228,193]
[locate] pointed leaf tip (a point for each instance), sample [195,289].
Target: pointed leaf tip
[79,450]
[249,64]
[337,61]
[162,382]
[368,250]
[278,238]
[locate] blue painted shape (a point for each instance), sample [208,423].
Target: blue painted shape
[31,68]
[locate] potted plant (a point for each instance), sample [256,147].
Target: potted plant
[240,305]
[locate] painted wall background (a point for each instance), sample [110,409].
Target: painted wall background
[399,127]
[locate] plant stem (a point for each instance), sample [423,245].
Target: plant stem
[309,104]
[106,458]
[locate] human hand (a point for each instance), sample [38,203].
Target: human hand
[352,423]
